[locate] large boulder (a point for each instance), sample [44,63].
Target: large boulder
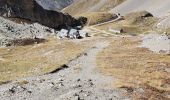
[31,10]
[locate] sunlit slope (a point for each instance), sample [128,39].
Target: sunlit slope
[83,6]
[156,7]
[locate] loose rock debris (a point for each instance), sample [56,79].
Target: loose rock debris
[72,34]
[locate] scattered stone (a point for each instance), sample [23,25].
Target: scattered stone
[61,84]
[12,90]
[78,86]
[81,91]
[77,98]
[89,80]
[29,91]
[52,83]
[78,80]
[85,54]
[40,81]
[60,79]
[15,89]
[75,94]
[86,95]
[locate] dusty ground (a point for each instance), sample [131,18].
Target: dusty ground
[78,80]
[97,70]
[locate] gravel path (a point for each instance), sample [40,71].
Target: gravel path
[78,80]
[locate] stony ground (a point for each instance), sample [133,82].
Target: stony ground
[79,79]
[10,30]
[75,80]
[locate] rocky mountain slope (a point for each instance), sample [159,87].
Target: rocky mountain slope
[31,10]
[156,7]
[56,5]
[11,31]
[83,6]
[119,61]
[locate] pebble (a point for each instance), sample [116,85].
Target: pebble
[60,84]
[78,80]
[60,79]
[29,91]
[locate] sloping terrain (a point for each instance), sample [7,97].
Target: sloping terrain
[156,7]
[37,59]
[110,64]
[83,6]
[55,5]
[144,73]
[97,17]
[78,79]
[11,31]
[134,23]
[31,10]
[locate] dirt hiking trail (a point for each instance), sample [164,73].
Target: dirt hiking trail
[79,79]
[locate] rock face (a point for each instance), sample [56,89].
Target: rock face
[31,10]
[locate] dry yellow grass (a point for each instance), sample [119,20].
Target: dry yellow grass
[133,23]
[136,67]
[21,61]
[97,17]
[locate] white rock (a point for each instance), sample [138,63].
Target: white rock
[73,34]
[63,33]
[83,33]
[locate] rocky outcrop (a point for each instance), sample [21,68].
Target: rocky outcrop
[31,10]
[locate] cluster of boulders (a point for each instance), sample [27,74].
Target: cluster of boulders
[72,34]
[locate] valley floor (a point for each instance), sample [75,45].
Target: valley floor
[93,72]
